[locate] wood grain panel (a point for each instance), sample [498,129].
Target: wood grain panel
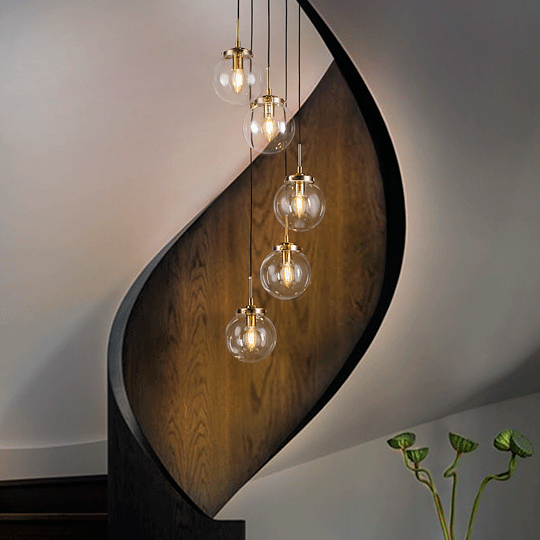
[214,421]
[144,502]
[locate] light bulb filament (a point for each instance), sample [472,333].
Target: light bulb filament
[287,274]
[299,201]
[250,334]
[269,127]
[238,80]
[250,338]
[299,205]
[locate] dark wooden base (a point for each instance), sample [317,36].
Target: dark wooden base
[53,526]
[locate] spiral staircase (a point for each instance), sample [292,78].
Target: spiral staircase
[188,425]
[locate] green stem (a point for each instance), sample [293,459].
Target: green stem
[502,477]
[431,486]
[447,474]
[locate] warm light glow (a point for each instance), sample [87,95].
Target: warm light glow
[299,204]
[250,338]
[238,80]
[269,127]
[287,273]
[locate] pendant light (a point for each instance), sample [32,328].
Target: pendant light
[250,336]
[268,125]
[285,273]
[237,78]
[299,203]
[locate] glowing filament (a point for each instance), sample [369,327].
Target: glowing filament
[269,127]
[250,338]
[238,79]
[287,274]
[299,204]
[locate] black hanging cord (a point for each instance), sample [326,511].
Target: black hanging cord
[286,66]
[251,28]
[286,48]
[238,10]
[268,33]
[299,104]
[250,212]
[250,166]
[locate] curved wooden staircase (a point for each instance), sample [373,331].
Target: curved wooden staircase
[188,424]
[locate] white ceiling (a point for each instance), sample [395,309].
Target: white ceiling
[108,117]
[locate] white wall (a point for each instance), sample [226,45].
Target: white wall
[365,493]
[456,85]
[107,119]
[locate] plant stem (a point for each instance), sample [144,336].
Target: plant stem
[499,477]
[447,474]
[431,486]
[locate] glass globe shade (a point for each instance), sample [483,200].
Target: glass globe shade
[238,86]
[268,126]
[300,205]
[285,274]
[250,337]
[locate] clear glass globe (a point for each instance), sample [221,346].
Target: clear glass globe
[269,126]
[285,275]
[302,206]
[238,86]
[250,338]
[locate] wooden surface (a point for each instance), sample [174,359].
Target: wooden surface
[75,494]
[144,502]
[45,527]
[214,421]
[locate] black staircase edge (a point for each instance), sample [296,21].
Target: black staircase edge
[48,480]
[91,516]
[54,495]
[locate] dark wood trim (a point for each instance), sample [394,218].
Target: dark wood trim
[59,495]
[97,478]
[99,516]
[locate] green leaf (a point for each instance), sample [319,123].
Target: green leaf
[520,445]
[402,441]
[417,454]
[502,440]
[461,444]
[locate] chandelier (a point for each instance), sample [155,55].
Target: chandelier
[299,205]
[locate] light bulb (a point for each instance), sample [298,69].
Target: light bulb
[269,127]
[250,335]
[238,79]
[250,338]
[299,203]
[285,273]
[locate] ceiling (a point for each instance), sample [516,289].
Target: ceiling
[108,119]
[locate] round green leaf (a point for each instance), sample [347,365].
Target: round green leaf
[502,440]
[521,446]
[417,454]
[402,441]
[461,444]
